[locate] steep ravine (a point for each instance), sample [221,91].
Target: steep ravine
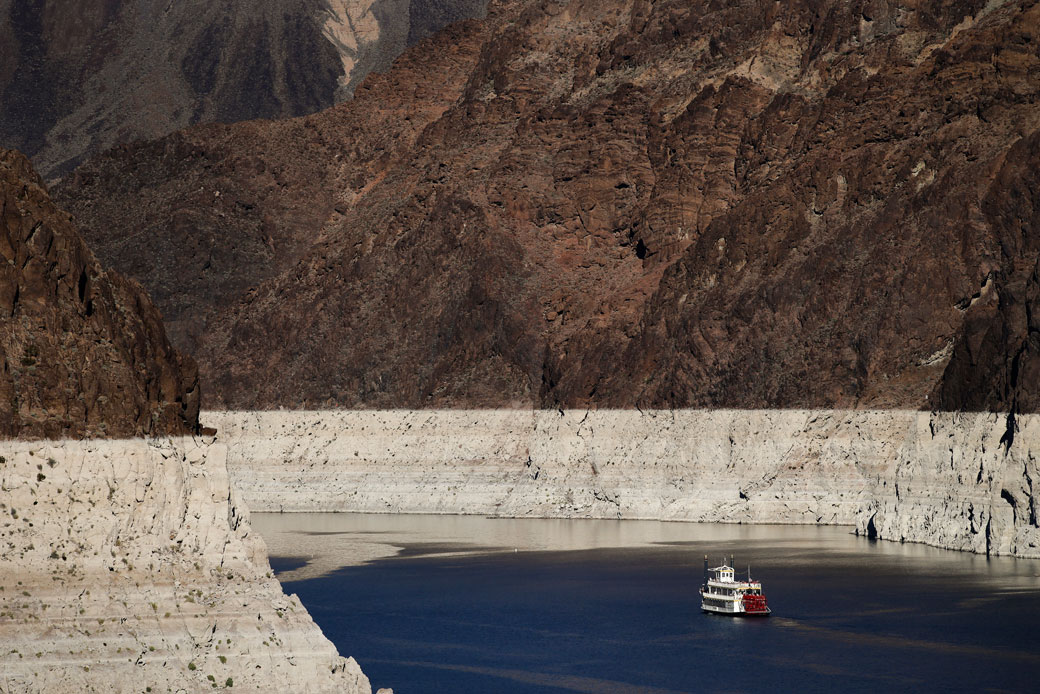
[945,479]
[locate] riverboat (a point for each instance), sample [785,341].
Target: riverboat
[723,593]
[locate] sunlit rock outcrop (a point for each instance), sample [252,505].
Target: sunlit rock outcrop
[130,564]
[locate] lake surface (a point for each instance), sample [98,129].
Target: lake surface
[464,604]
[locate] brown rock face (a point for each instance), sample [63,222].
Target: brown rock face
[618,203]
[996,361]
[83,350]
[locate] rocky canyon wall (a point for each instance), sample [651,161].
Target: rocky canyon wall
[130,566]
[617,203]
[959,481]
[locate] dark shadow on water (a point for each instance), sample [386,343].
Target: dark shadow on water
[412,550]
[334,533]
[281,565]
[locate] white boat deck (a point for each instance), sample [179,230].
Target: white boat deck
[723,593]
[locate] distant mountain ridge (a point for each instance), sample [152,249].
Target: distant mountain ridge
[616,204]
[79,76]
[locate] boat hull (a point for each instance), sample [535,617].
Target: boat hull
[730,613]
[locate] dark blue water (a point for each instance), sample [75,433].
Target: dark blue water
[849,614]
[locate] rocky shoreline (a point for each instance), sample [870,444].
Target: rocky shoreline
[952,480]
[130,566]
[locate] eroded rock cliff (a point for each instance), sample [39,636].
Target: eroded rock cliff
[83,351]
[618,203]
[130,566]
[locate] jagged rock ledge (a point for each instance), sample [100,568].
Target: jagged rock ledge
[130,566]
[955,480]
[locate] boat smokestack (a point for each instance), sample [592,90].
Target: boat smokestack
[705,569]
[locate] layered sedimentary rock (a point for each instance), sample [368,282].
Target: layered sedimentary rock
[83,351]
[78,76]
[958,481]
[130,566]
[619,203]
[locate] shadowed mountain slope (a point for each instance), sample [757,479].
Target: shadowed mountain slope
[617,203]
[79,76]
